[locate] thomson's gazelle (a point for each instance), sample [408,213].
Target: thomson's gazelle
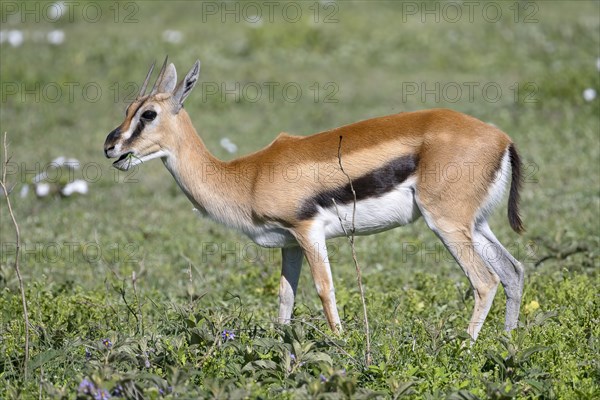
[446,166]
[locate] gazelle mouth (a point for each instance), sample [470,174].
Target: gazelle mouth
[126,161]
[130,159]
[124,156]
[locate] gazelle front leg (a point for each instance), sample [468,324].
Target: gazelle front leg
[315,249]
[291,265]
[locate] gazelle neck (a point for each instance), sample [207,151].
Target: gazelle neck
[209,183]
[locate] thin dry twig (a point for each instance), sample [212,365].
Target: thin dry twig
[559,253]
[121,290]
[6,192]
[354,258]
[134,279]
[190,281]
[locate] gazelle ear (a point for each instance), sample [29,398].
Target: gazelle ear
[169,80]
[185,87]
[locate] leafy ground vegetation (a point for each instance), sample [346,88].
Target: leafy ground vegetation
[131,296]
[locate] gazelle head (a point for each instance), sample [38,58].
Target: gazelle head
[151,120]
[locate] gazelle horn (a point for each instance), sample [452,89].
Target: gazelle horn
[145,84]
[160,77]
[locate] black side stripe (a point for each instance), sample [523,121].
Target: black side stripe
[374,184]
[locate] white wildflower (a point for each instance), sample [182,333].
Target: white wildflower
[229,145]
[589,94]
[56,37]
[172,36]
[77,186]
[42,189]
[15,38]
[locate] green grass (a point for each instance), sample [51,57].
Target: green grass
[80,252]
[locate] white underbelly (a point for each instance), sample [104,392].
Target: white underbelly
[377,214]
[272,237]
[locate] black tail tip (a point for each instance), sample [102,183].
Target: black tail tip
[516,223]
[515,186]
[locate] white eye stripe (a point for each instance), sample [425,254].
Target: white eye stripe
[138,123]
[127,134]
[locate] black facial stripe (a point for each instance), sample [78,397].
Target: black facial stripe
[137,132]
[374,184]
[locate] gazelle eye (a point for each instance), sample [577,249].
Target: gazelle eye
[149,115]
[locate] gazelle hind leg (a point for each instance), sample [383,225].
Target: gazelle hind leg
[458,239]
[509,270]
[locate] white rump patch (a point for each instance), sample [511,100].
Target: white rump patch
[496,189]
